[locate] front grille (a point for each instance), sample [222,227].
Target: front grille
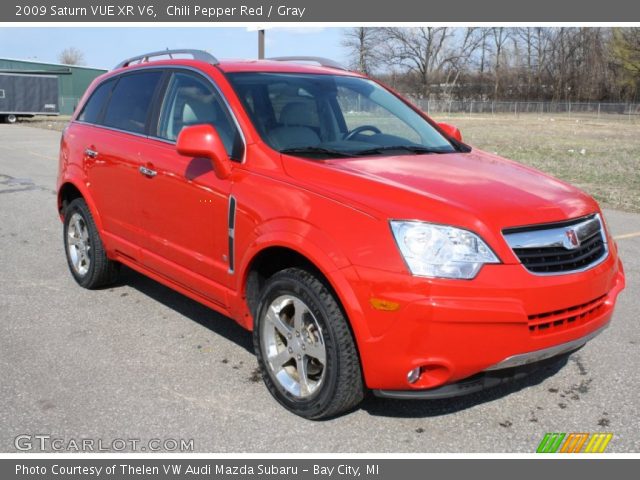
[550,322]
[559,259]
[560,247]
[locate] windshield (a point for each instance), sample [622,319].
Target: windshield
[328,116]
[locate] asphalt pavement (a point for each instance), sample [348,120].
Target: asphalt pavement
[138,361]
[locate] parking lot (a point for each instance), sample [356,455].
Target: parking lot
[139,361]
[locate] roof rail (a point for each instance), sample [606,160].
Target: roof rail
[196,54]
[323,62]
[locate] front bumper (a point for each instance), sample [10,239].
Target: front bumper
[456,329]
[506,371]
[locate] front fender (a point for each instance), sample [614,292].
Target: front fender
[298,235]
[316,247]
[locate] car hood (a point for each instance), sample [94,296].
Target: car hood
[473,190]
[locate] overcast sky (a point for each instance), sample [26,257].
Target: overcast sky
[106,46]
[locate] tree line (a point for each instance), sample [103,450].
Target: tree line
[574,64]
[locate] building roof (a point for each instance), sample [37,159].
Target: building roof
[38,62]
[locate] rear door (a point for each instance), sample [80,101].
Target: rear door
[184,205]
[113,142]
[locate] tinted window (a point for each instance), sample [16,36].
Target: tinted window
[92,109]
[192,100]
[130,101]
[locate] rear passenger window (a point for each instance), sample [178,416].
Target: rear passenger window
[92,109]
[192,100]
[131,100]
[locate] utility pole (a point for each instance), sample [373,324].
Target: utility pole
[260,44]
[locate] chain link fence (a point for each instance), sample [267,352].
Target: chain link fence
[622,111]
[628,111]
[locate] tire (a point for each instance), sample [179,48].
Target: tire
[11,118]
[300,327]
[86,256]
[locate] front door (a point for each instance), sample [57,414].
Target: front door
[183,204]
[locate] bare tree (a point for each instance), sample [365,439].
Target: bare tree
[500,36]
[527,36]
[363,46]
[459,55]
[484,48]
[542,36]
[420,50]
[71,56]
[530,63]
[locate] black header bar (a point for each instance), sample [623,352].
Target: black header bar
[266,11]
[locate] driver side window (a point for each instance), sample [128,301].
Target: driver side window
[191,100]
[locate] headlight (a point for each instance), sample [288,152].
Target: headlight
[440,251]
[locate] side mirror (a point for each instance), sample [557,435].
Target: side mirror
[450,131]
[203,141]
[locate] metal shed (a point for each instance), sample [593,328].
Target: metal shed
[72,80]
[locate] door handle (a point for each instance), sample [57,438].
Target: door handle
[90,153]
[147,172]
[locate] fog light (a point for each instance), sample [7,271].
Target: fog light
[413,375]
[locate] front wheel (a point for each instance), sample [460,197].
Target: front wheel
[11,118]
[304,346]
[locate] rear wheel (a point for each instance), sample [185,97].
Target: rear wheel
[304,346]
[11,118]
[86,256]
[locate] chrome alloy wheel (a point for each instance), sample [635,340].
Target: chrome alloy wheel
[79,245]
[294,346]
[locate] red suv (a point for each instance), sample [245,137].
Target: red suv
[365,245]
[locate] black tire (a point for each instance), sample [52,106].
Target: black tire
[341,388]
[100,271]
[11,118]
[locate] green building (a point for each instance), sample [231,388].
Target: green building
[72,80]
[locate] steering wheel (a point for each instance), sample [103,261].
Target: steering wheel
[360,129]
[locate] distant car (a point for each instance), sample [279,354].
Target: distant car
[365,245]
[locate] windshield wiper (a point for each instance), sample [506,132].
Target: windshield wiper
[418,149]
[316,150]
